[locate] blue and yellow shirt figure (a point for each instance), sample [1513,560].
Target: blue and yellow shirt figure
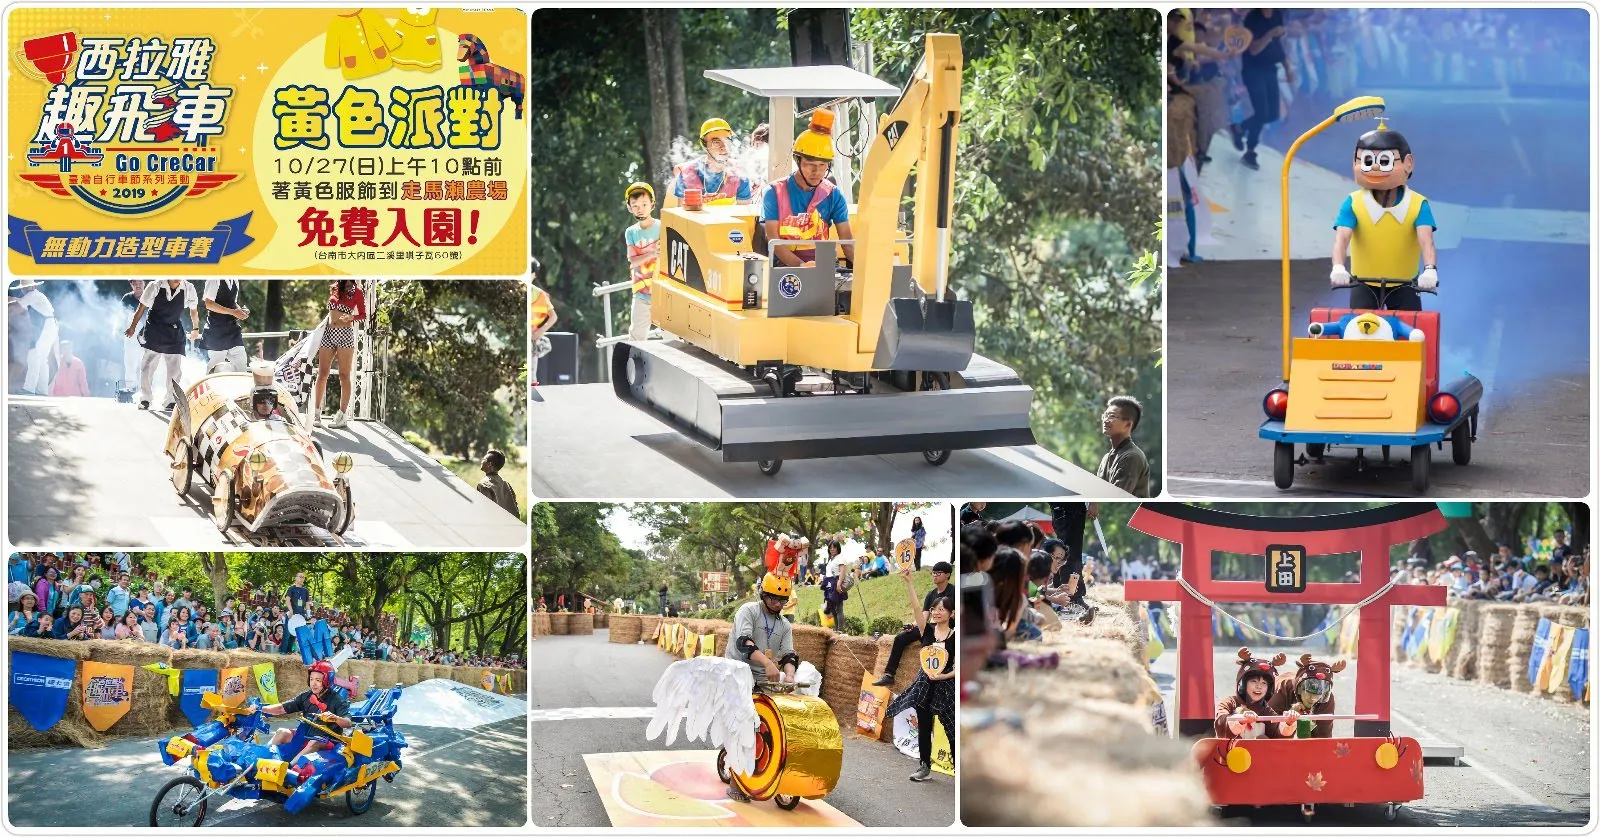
[1383,239]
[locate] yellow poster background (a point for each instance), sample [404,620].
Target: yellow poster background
[258,51]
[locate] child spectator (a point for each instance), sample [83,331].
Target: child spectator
[643,239]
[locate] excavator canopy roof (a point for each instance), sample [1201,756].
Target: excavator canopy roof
[830,81]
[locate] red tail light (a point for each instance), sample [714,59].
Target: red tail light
[1444,408]
[1276,404]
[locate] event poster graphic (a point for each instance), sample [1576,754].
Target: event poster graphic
[332,141]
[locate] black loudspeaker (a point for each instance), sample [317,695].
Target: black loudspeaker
[560,366]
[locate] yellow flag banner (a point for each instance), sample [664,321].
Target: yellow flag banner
[266,682]
[944,759]
[172,675]
[107,693]
[708,645]
[488,681]
[1559,635]
[1560,658]
[233,683]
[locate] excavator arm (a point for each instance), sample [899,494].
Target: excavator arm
[918,131]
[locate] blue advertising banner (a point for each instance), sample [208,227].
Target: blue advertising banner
[1541,647]
[39,687]
[196,682]
[1578,668]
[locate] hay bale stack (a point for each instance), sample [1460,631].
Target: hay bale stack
[292,674]
[1089,669]
[811,643]
[1494,635]
[910,663]
[1112,759]
[519,681]
[385,674]
[409,674]
[580,624]
[1115,624]
[849,657]
[624,629]
[1462,661]
[648,627]
[539,624]
[1520,647]
[560,624]
[722,631]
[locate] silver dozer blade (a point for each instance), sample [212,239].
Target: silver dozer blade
[724,408]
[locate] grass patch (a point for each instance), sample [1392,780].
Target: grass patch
[884,599]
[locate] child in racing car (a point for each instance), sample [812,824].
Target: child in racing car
[1309,692]
[1252,690]
[321,703]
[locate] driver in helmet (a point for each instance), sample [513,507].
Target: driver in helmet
[1386,228]
[761,637]
[805,205]
[264,405]
[715,175]
[320,703]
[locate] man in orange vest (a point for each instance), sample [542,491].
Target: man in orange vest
[715,176]
[805,205]
[543,319]
[644,242]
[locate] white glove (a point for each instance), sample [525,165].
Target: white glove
[1339,277]
[1428,279]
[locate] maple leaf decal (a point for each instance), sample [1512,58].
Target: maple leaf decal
[1341,750]
[1314,781]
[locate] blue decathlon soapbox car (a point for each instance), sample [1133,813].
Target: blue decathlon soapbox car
[226,756]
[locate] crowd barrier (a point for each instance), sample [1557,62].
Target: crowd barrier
[1534,648]
[150,708]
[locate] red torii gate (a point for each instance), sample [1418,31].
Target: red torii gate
[1199,532]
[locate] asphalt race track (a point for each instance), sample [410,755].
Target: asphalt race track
[90,471]
[449,778]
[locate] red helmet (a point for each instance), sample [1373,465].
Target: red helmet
[327,671]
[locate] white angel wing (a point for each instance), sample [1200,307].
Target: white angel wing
[711,697]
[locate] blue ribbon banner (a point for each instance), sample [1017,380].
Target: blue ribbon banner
[196,682]
[40,686]
[1578,666]
[1541,647]
[105,247]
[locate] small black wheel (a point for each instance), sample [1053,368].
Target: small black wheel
[1461,443]
[1421,466]
[1391,811]
[1315,450]
[770,467]
[1307,812]
[787,803]
[1283,464]
[223,504]
[177,801]
[936,457]
[182,468]
[360,799]
[723,772]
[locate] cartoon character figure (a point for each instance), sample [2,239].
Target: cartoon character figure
[1366,325]
[1309,692]
[1385,227]
[477,71]
[1252,693]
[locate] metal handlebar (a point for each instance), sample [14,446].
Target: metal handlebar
[1365,717]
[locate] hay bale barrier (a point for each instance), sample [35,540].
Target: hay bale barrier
[849,657]
[580,624]
[1520,648]
[624,629]
[648,627]
[1462,661]
[409,674]
[910,663]
[811,643]
[539,624]
[560,624]
[385,674]
[721,631]
[602,620]
[1494,637]
[364,672]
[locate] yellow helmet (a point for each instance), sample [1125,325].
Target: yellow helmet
[627,194]
[712,125]
[816,141]
[775,585]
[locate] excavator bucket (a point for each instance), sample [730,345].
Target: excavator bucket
[926,335]
[722,407]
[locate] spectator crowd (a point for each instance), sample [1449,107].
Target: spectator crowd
[1560,578]
[80,596]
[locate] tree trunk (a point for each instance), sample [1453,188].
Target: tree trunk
[883,520]
[1578,514]
[274,320]
[672,41]
[1472,532]
[660,97]
[216,566]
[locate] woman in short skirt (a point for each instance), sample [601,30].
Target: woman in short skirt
[346,308]
[933,696]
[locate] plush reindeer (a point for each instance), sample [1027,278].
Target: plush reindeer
[1309,692]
